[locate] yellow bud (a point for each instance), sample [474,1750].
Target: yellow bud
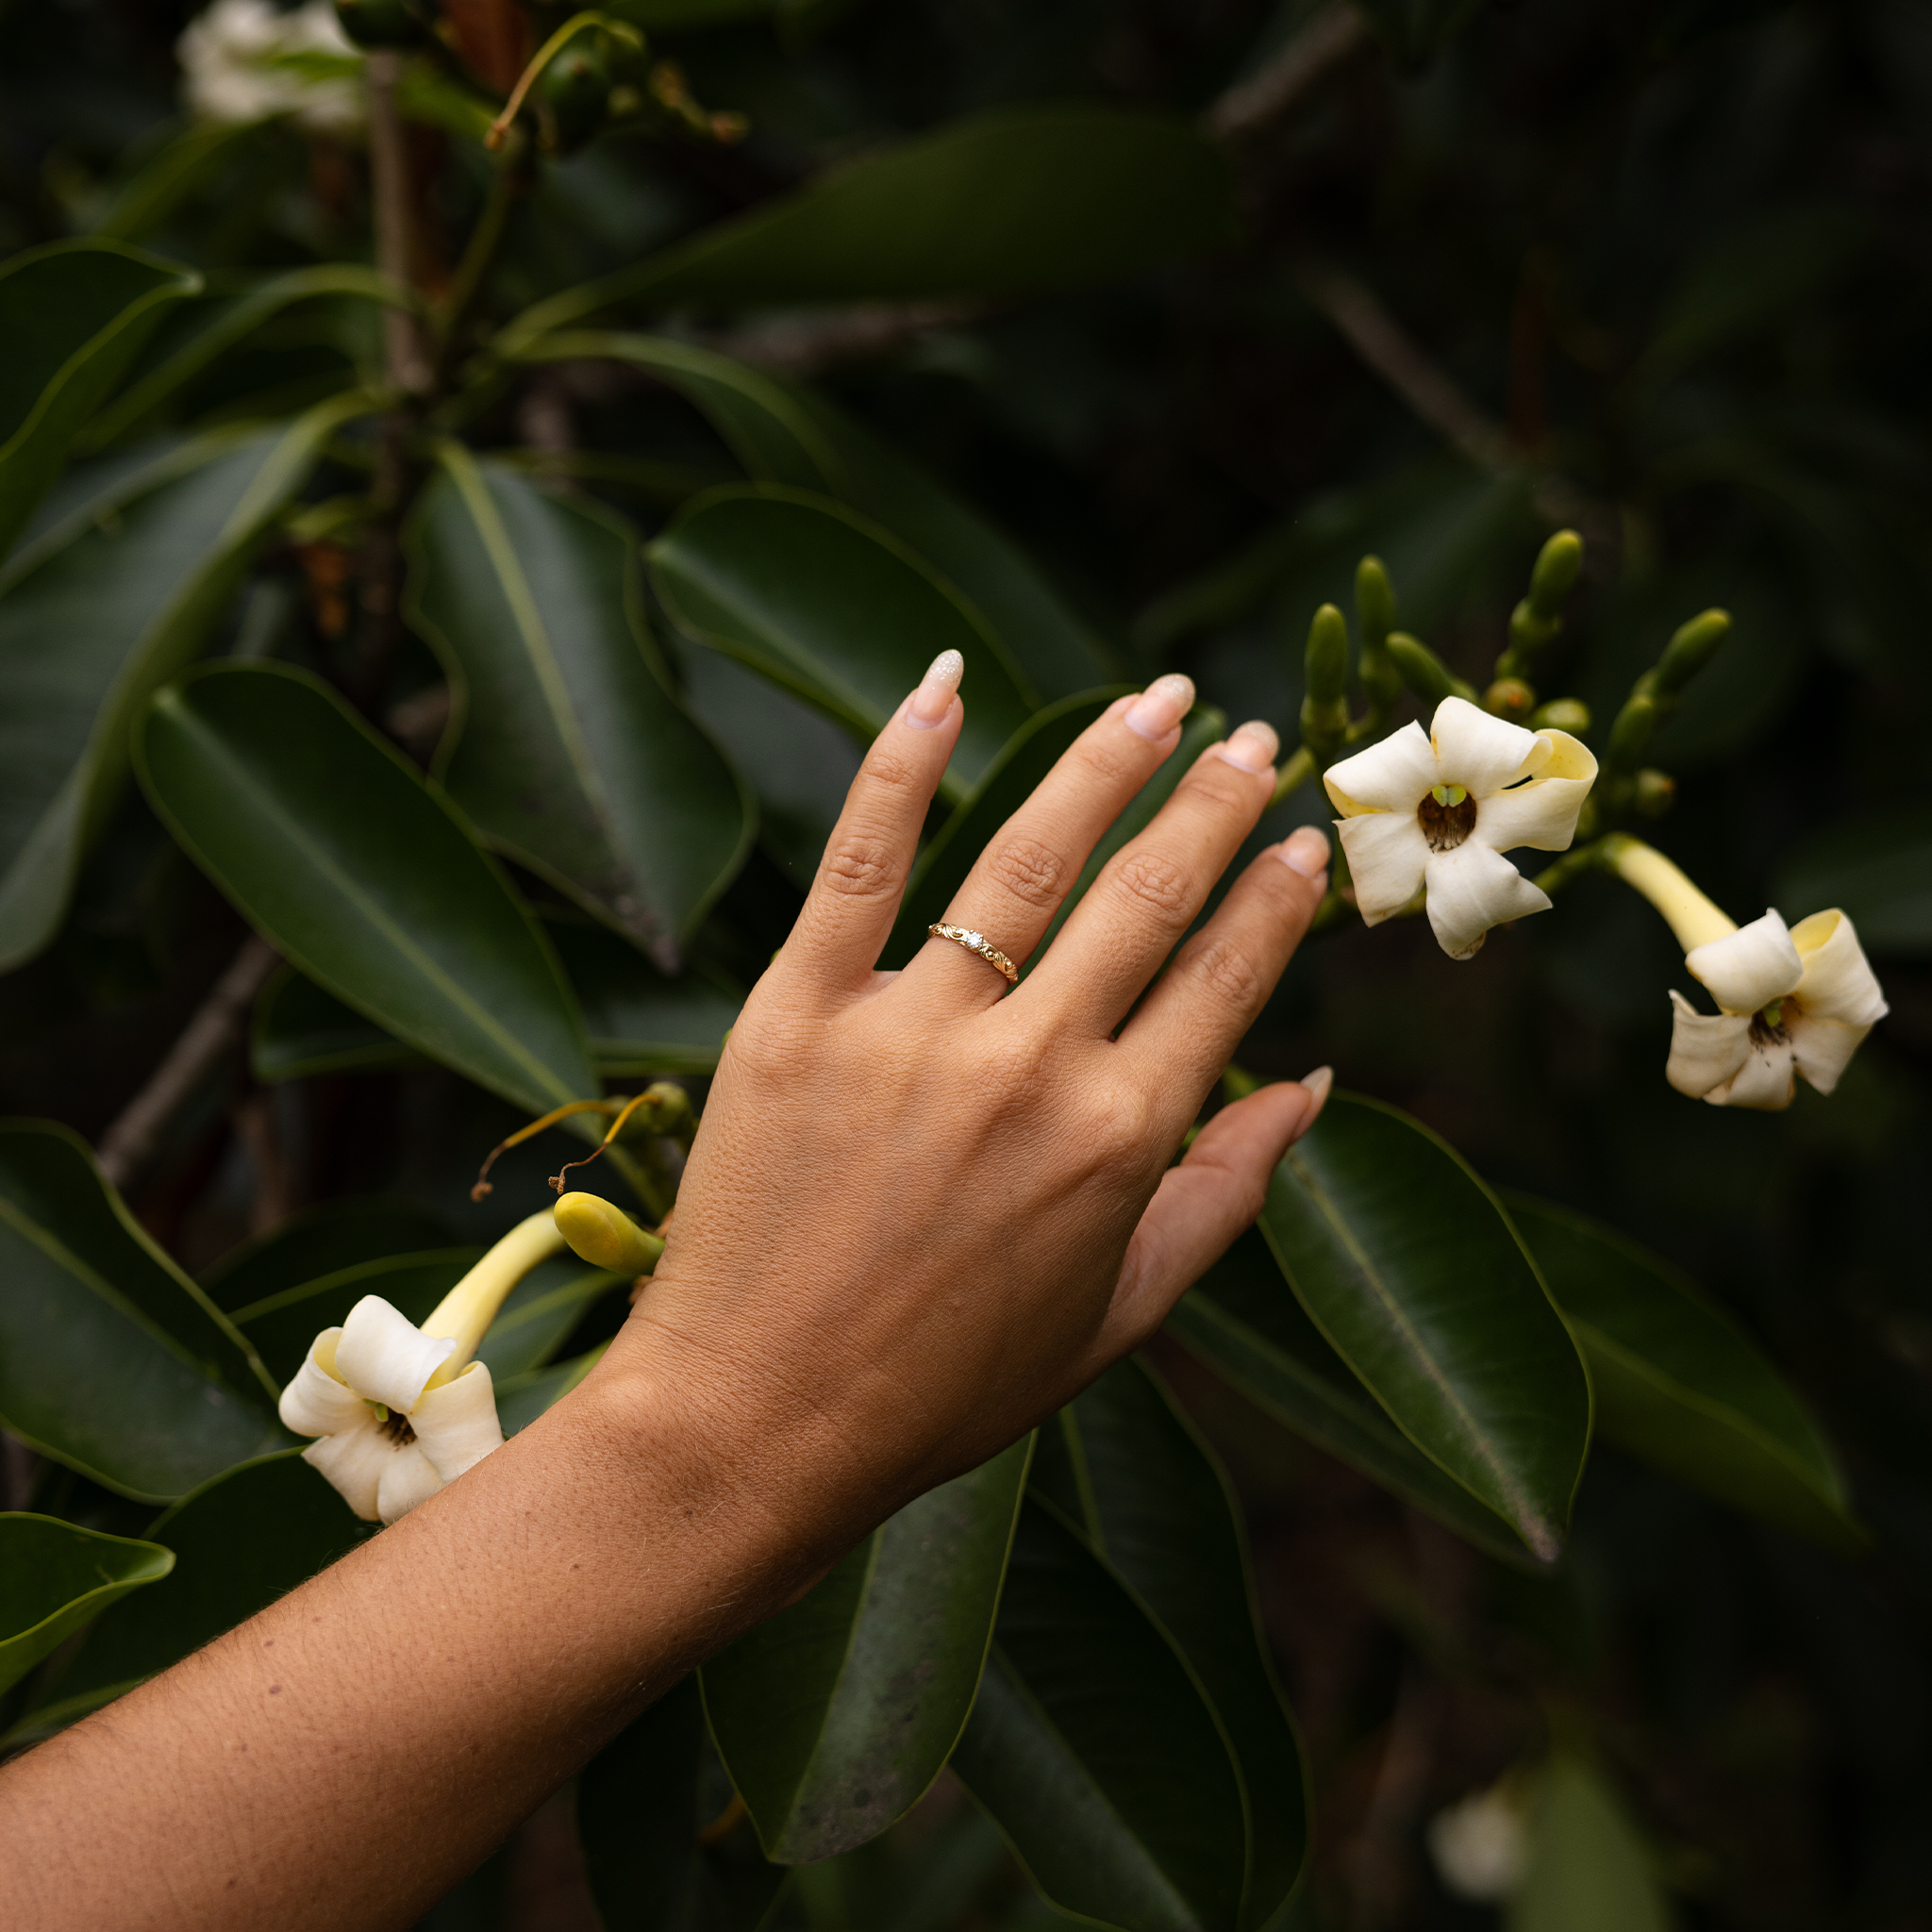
[604,1236]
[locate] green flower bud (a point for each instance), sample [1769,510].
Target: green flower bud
[1561,714]
[1424,673]
[1631,733]
[573,93]
[1654,793]
[1554,576]
[1327,657]
[664,1109]
[604,1235]
[1510,698]
[1689,650]
[1374,603]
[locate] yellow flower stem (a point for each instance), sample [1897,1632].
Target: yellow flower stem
[467,1311]
[549,51]
[1693,917]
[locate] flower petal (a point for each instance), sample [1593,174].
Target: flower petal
[411,1478]
[1749,967]
[1821,1047]
[1393,775]
[456,1424]
[317,1403]
[1386,853]
[384,1356]
[1480,753]
[1764,1082]
[1706,1049]
[353,1460]
[1472,888]
[1838,984]
[1543,810]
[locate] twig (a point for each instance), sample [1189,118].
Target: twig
[216,1026]
[803,344]
[404,364]
[1334,34]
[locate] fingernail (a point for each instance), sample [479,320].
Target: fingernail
[1160,706]
[934,698]
[1306,851]
[1318,1084]
[1252,748]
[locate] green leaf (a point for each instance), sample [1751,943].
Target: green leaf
[835,609]
[1413,1274]
[228,323]
[176,171]
[127,589]
[1589,1871]
[639,1020]
[1679,1387]
[539,1315]
[785,432]
[1244,1321]
[1876,871]
[522,1398]
[239,1541]
[566,749]
[72,315]
[836,1715]
[642,1804]
[1006,785]
[1014,202]
[317,1243]
[1094,1751]
[337,849]
[297,1029]
[55,1577]
[1155,1503]
[112,1360]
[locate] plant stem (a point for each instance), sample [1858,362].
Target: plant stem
[1293,775]
[466,289]
[404,366]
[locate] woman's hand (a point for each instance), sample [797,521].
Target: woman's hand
[923,1212]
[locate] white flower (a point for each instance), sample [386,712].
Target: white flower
[1794,1001]
[246,61]
[1439,808]
[399,1411]
[1480,1845]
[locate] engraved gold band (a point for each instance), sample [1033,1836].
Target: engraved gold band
[976,942]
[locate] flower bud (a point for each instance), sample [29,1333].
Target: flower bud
[575,95]
[1325,709]
[1424,673]
[604,1235]
[1555,574]
[1631,732]
[1374,603]
[1689,650]
[1561,714]
[1654,793]
[1510,698]
[664,1109]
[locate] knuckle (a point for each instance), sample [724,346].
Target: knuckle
[1110,763]
[861,865]
[891,770]
[1217,786]
[1224,970]
[1152,880]
[1030,871]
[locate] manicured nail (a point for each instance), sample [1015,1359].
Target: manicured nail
[1252,748]
[934,698]
[1160,706]
[1318,1084]
[1306,851]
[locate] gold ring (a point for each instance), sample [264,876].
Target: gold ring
[976,942]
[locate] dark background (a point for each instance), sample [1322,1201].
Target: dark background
[1675,257]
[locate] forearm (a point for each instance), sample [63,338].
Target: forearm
[393,1718]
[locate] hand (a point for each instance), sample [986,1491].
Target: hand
[923,1212]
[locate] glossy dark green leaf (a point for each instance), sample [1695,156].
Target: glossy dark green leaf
[176,171]
[565,748]
[833,1716]
[1678,1386]
[1244,1321]
[1415,1274]
[239,1541]
[1012,202]
[1155,1503]
[297,1029]
[639,1021]
[521,1399]
[318,1243]
[784,431]
[817,598]
[1006,785]
[97,611]
[72,315]
[1876,871]
[112,1361]
[1094,1751]
[363,875]
[227,323]
[55,1577]
[1589,1869]
[541,1312]
[642,1803]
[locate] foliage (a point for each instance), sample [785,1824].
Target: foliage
[480,585]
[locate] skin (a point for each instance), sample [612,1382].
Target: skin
[920,1216]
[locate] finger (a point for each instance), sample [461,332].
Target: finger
[854,897]
[1017,883]
[1201,1205]
[1189,1025]
[1148,893]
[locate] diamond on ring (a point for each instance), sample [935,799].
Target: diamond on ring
[977,942]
